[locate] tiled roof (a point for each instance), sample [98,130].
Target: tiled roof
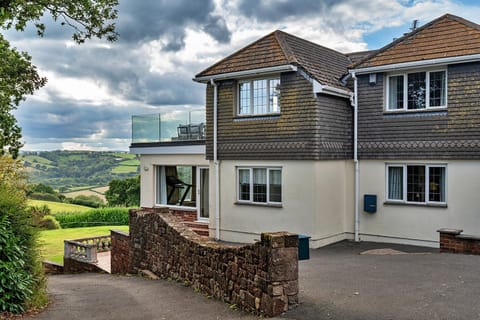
[280,48]
[445,37]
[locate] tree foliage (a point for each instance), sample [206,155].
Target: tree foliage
[18,77]
[88,18]
[124,192]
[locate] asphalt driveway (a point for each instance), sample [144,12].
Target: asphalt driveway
[338,282]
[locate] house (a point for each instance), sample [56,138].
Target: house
[295,135]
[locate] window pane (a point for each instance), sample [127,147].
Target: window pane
[244,184]
[275,177]
[395,183]
[436,184]
[274,95]
[259,185]
[416,183]
[437,89]
[244,99]
[260,96]
[416,90]
[395,90]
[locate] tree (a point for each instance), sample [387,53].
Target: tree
[18,77]
[124,192]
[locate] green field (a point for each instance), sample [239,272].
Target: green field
[125,155]
[52,240]
[124,169]
[57,207]
[37,159]
[133,162]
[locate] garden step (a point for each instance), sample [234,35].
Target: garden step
[196,225]
[201,232]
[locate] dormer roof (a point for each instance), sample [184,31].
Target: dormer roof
[279,49]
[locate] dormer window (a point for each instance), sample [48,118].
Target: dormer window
[259,96]
[417,90]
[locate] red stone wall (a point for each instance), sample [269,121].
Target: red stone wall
[451,240]
[76,266]
[120,254]
[260,278]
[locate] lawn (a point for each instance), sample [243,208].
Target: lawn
[52,240]
[57,207]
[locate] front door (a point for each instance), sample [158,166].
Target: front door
[202,193]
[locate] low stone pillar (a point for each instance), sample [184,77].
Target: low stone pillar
[449,241]
[120,252]
[282,289]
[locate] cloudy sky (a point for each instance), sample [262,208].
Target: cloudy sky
[94,88]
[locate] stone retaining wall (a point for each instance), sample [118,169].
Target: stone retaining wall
[120,256]
[76,266]
[260,278]
[452,240]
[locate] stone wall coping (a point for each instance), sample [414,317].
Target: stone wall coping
[468,237]
[123,233]
[450,231]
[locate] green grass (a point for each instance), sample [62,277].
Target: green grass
[124,169]
[133,162]
[52,240]
[57,207]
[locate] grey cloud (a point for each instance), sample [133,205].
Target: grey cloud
[152,19]
[275,11]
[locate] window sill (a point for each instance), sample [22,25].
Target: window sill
[429,111]
[265,116]
[257,204]
[413,204]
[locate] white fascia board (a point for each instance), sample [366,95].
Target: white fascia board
[320,88]
[247,73]
[194,149]
[421,63]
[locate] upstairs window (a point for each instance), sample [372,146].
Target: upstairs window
[416,183]
[261,96]
[417,90]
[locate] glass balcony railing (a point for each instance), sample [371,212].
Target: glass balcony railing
[167,127]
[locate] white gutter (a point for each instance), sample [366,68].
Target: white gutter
[247,73]
[215,162]
[414,64]
[355,155]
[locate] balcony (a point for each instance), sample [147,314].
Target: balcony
[176,126]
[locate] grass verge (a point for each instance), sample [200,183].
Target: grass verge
[51,241]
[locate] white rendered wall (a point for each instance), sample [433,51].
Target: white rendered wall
[413,224]
[147,172]
[314,197]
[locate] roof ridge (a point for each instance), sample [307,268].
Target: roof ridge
[237,52]
[308,41]
[414,32]
[286,49]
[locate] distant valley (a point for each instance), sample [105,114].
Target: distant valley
[75,172]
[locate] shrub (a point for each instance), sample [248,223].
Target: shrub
[49,222]
[45,197]
[91,201]
[22,282]
[94,217]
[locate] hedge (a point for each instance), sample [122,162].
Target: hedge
[95,217]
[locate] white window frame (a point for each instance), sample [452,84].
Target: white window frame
[405,90]
[427,182]
[252,105]
[268,169]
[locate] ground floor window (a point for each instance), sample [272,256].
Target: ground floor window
[416,183]
[259,185]
[174,185]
